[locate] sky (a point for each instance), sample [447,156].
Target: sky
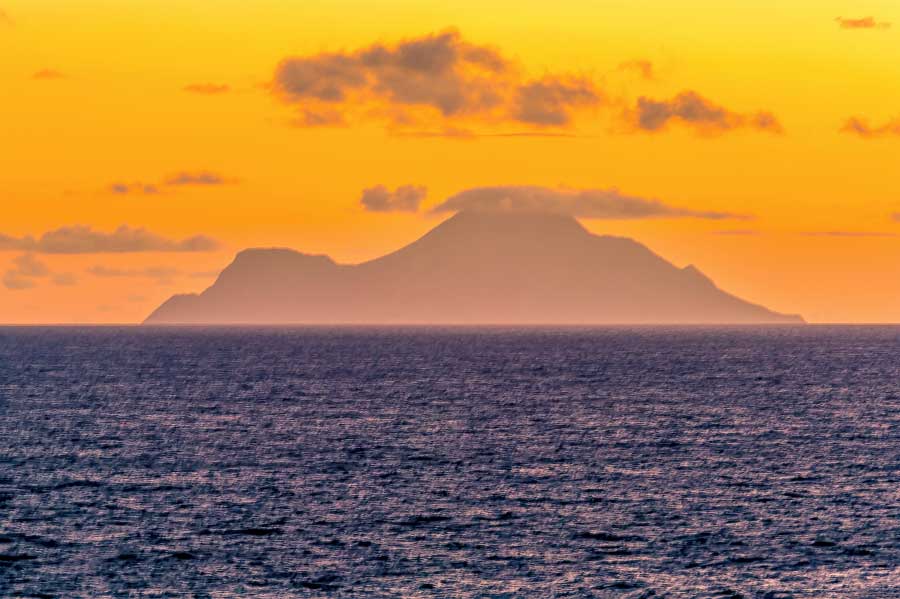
[148,141]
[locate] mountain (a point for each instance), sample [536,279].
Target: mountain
[474,268]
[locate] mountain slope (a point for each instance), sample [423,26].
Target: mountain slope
[474,268]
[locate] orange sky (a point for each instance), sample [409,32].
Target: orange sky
[183,97]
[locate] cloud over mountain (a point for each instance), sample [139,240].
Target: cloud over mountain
[693,110]
[81,239]
[403,199]
[585,203]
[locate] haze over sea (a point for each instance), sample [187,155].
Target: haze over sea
[428,462]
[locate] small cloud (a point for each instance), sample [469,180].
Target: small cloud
[134,189]
[13,281]
[862,128]
[136,299]
[644,68]
[693,110]
[25,269]
[403,199]
[319,118]
[5,19]
[848,234]
[162,275]
[895,216]
[81,239]
[202,178]
[737,232]
[48,75]
[862,23]
[207,89]
[65,279]
[607,204]
[549,102]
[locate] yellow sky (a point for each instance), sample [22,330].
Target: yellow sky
[111,108]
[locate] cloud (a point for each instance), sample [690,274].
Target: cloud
[439,76]
[848,234]
[644,68]
[134,188]
[65,279]
[160,273]
[862,128]
[895,216]
[737,232]
[16,282]
[403,199]
[80,239]
[207,89]
[25,269]
[549,102]
[586,203]
[29,266]
[693,110]
[6,19]
[862,23]
[48,75]
[197,178]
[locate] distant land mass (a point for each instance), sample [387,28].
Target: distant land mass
[474,268]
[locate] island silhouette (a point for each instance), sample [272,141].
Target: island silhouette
[474,268]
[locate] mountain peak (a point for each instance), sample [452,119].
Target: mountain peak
[477,267]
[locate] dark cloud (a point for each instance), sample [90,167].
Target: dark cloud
[80,239]
[644,68]
[441,72]
[403,199]
[207,89]
[862,23]
[861,127]
[587,203]
[48,75]
[693,110]
[549,102]
[895,216]
[197,178]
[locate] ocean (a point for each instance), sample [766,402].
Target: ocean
[456,462]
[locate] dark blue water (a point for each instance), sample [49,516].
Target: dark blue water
[450,463]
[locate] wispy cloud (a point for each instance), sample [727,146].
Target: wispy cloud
[207,89]
[862,23]
[849,234]
[180,179]
[48,75]
[861,127]
[608,204]
[693,110]
[5,19]
[644,68]
[27,270]
[81,239]
[403,199]
[203,178]
[737,232]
